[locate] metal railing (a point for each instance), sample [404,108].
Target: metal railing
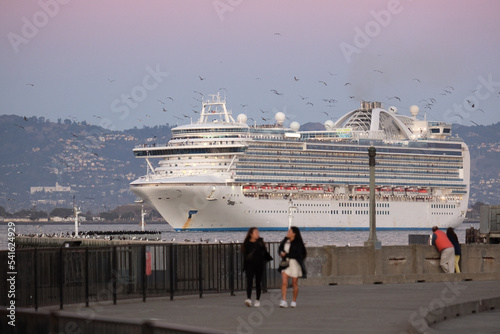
[59,276]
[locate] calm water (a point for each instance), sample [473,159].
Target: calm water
[312,238]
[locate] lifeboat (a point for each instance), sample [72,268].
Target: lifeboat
[423,192]
[279,189]
[317,189]
[266,189]
[292,189]
[362,191]
[306,189]
[411,192]
[386,191]
[399,191]
[250,189]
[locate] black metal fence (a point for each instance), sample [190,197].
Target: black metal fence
[59,276]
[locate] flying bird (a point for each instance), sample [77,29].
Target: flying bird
[481,110]
[160,101]
[195,91]
[332,74]
[417,80]
[474,123]
[164,110]
[264,112]
[201,78]
[324,83]
[244,105]
[295,78]
[277,34]
[25,118]
[19,126]
[276,92]
[450,87]
[347,84]
[30,84]
[379,71]
[303,98]
[171,99]
[111,80]
[394,97]
[264,119]
[74,135]
[310,103]
[324,112]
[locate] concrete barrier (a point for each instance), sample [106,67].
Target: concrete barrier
[397,264]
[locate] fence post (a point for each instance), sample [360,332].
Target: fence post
[172,265]
[35,269]
[114,274]
[200,269]
[144,277]
[61,278]
[54,323]
[87,276]
[231,269]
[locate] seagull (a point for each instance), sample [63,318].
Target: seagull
[352,97]
[186,116]
[394,97]
[295,78]
[96,154]
[277,34]
[458,116]
[450,87]
[276,92]
[171,99]
[324,112]
[347,83]
[222,88]
[264,119]
[447,91]
[244,105]
[480,110]
[19,126]
[305,98]
[474,123]
[111,80]
[264,112]
[148,116]
[99,117]
[178,118]
[25,118]
[379,71]
[310,104]
[324,83]
[201,78]
[74,135]
[332,74]
[195,91]
[417,80]
[30,84]
[164,110]
[160,101]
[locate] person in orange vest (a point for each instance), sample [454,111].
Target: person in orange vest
[445,247]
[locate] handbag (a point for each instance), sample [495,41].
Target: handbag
[284,263]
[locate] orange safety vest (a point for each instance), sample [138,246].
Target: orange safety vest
[442,241]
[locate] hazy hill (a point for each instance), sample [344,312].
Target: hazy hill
[98,164]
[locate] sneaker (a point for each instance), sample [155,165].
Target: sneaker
[293,304]
[248,303]
[256,304]
[283,304]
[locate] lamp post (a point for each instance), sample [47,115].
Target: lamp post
[372,239]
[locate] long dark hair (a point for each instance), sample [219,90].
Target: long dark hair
[299,239]
[451,234]
[247,238]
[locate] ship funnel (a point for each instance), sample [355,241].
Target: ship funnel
[374,105]
[366,105]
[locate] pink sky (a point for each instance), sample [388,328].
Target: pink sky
[71,58]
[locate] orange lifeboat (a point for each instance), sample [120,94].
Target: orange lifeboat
[292,189]
[317,189]
[266,189]
[279,189]
[399,191]
[423,192]
[411,192]
[385,191]
[362,191]
[250,188]
[306,189]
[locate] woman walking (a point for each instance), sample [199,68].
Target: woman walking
[293,253]
[458,251]
[255,256]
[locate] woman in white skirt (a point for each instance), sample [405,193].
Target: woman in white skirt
[293,253]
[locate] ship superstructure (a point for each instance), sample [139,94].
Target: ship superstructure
[221,173]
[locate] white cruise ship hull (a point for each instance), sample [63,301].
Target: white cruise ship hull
[190,208]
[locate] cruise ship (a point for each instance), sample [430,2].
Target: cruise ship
[225,174]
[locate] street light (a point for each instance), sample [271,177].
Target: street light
[372,239]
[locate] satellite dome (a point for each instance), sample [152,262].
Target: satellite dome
[414,110]
[393,109]
[280,117]
[295,126]
[242,118]
[329,125]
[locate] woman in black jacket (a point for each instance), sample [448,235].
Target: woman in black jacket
[255,256]
[293,253]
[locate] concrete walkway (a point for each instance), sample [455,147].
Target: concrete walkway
[326,309]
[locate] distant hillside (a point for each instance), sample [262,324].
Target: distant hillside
[98,164]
